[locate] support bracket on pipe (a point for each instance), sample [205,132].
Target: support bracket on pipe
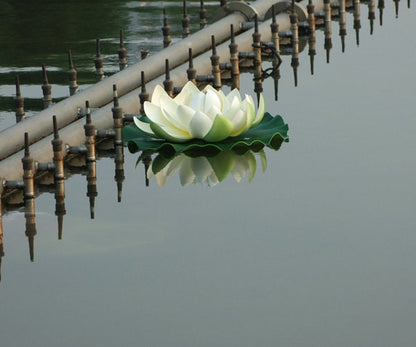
[237,6]
[286,7]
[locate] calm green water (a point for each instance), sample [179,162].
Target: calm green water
[317,250]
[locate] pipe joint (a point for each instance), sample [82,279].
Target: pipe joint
[237,6]
[286,7]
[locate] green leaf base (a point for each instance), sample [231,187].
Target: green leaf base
[271,132]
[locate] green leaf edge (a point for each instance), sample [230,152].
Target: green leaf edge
[264,133]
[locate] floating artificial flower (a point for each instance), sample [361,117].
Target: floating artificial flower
[209,115]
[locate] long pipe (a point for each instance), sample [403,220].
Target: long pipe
[73,134]
[127,80]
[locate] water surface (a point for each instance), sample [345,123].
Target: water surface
[316,251]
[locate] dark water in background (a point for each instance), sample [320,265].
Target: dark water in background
[318,250]
[27,42]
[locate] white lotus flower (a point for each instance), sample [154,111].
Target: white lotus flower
[209,115]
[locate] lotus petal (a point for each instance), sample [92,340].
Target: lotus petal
[170,111]
[250,113]
[159,163]
[220,94]
[240,168]
[252,165]
[169,134]
[145,127]
[212,180]
[176,163]
[186,175]
[234,93]
[161,179]
[154,113]
[263,160]
[211,101]
[234,105]
[197,102]
[220,130]
[185,115]
[187,93]
[201,168]
[213,111]
[157,93]
[260,111]
[239,123]
[200,125]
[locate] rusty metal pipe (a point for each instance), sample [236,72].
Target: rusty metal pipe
[73,134]
[127,80]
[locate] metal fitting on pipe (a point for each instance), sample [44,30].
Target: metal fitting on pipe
[144,95]
[248,11]
[166,30]
[117,119]
[215,63]
[89,129]
[58,157]
[202,16]
[46,89]
[122,52]
[19,102]
[28,171]
[72,75]
[98,61]
[191,71]
[235,68]
[185,22]
[167,83]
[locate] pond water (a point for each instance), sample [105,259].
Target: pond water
[316,250]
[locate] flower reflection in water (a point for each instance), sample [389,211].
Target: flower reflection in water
[207,170]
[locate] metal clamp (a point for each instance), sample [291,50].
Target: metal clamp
[237,6]
[286,7]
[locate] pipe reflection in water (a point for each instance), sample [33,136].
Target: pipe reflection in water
[357,20]
[342,23]
[118,143]
[371,14]
[59,177]
[380,7]
[328,28]
[312,34]
[90,160]
[295,42]
[276,61]
[30,224]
